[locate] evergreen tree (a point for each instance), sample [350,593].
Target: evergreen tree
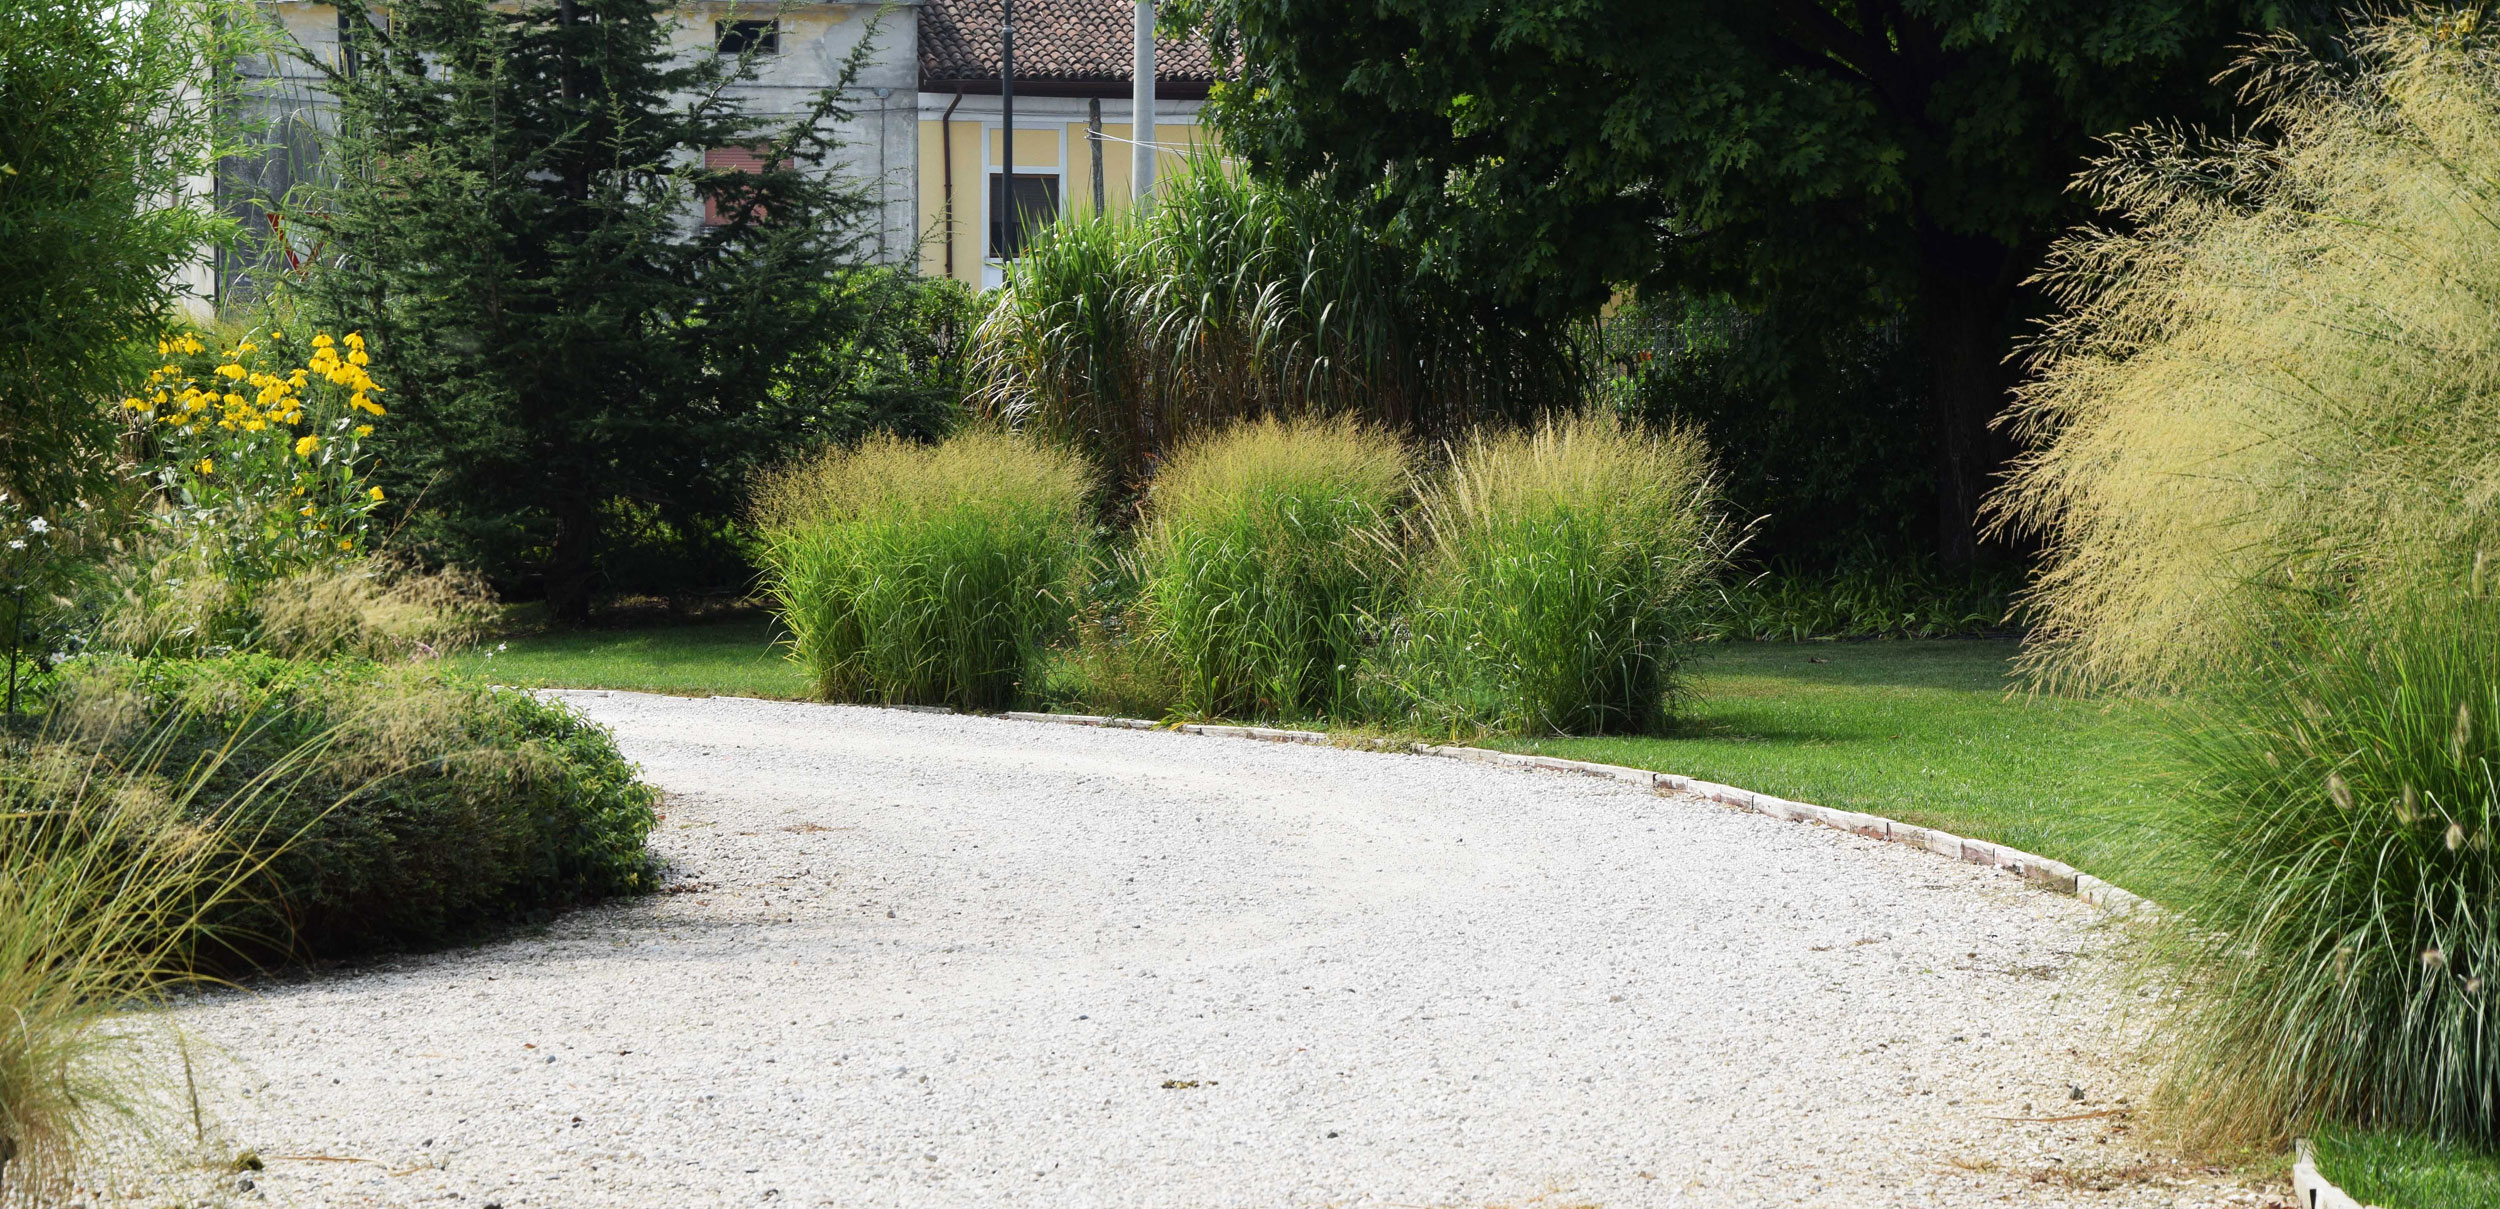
[515,219]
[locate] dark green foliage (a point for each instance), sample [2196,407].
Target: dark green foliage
[1825,411]
[895,356]
[1869,598]
[512,223]
[103,115]
[1908,155]
[414,807]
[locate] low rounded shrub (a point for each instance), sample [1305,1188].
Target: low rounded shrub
[396,805]
[1560,581]
[1265,558]
[923,574]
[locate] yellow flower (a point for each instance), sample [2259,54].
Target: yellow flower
[359,358]
[355,340]
[208,466]
[345,544]
[304,446]
[364,430]
[321,340]
[376,493]
[306,510]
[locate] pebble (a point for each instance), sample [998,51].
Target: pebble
[873,996]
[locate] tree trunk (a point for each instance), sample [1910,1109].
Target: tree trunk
[1965,287]
[571,572]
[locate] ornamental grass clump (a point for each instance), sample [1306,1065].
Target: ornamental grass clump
[111,874]
[923,574]
[1560,581]
[2266,450]
[1266,561]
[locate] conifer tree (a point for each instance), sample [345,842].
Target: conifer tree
[514,215]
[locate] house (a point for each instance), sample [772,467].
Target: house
[927,135]
[1073,119]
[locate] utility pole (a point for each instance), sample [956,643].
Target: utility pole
[1142,108]
[1014,241]
[1093,141]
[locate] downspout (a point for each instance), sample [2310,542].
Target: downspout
[946,160]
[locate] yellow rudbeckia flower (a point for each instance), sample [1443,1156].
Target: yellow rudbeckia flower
[304,446]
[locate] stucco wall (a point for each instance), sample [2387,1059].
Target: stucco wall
[1050,139]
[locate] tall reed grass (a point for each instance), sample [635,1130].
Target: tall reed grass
[1560,581]
[1267,558]
[1127,335]
[923,574]
[2266,452]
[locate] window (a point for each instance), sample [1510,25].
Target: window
[733,159]
[1037,203]
[739,37]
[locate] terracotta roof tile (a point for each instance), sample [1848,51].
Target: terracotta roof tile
[1065,42]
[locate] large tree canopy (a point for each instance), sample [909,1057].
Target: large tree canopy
[1913,152]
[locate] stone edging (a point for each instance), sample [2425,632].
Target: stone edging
[2055,875]
[2310,1190]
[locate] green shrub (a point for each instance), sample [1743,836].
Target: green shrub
[923,574]
[2267,446]
[429,809]
[1560,582]
[1266,557]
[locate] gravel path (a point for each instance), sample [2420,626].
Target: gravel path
[923,960]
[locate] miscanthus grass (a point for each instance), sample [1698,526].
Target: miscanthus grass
[923,574]
[1267,559]
[1558,582]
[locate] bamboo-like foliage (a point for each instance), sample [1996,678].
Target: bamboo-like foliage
[923,574]
[1266,559]
[1232,299]
[1560,580]
[2283,367]
[2267,456]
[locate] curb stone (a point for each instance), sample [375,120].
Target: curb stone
[2310,1190]
[2039,870]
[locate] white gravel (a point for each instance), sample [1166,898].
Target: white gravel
[921,960]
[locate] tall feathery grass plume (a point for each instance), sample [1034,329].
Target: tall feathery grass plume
[2278,369]
[1559,581]
[1267,562]
[2265,447]
[1128,335]
[913,574]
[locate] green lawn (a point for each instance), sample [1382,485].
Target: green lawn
[1934,733]
[736,656]
[2405,1172]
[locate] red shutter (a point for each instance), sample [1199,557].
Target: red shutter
[729,159]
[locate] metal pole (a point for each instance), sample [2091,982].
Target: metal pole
[1013,243]
[1141,169]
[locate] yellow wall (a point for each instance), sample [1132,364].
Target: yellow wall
[1035,148]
